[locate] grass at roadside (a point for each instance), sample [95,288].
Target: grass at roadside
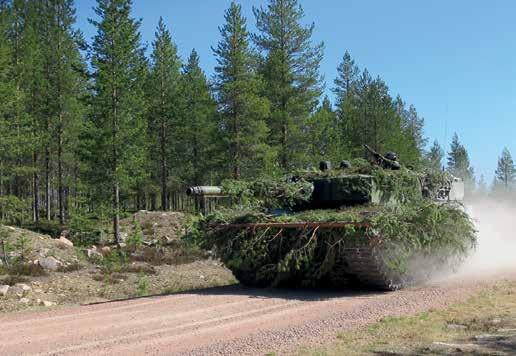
[483,325]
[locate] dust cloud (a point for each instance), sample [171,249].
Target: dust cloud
[496,251]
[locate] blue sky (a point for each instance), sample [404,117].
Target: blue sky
[454,60]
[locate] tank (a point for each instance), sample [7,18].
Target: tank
[371,223]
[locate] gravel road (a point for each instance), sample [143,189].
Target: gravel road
[228,321]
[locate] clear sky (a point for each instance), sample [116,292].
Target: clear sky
[454,60]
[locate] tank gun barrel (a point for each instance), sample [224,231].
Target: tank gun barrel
[389,162]
[204,190]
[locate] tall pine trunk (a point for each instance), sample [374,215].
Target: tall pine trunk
[164,193]
[163,148]
[116,211]
[35,189]
[236,148]
[116,184]
[35,177]
[60,173]
[60,133]
[284,136]
[2,213]
[48,198]
[284,133]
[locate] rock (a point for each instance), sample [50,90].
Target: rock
[93,254]
[15,290]
[38,290]
[46,303]
[489,337]
[506,330]
[3,290]
[65,234]
[63,241]
[25,300]
[105,250]
[50,263]
[123,236]
[23,287]
[43,252]
[456,327]
[455,347]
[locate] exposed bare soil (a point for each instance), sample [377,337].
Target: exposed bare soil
[156,225]
[230,320]
[149,269]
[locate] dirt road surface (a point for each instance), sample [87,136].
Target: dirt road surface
[226,321]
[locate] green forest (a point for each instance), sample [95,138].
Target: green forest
[94,128]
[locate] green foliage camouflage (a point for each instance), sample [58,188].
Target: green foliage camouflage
[267,192]
[307,250]
[312,256]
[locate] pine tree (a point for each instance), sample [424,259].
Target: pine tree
[8,104]
[481,186]
[359,125]
[243,110]
[347,76]
[505,172]
[458,162]
[18,168]
[291,71]
[345,87]
[373,119]
[322,134]
[413,125]
[196,133]
[367,114]
[65,86]
[118,65]
[435,156]
[164,103]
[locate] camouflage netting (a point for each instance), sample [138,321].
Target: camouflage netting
[317,247]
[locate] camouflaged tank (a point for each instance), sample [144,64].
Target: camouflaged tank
[372,223]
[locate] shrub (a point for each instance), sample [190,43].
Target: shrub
[114,262]
[26,269]
[143,286]
[135,240]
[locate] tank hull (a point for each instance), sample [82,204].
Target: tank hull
[361,262]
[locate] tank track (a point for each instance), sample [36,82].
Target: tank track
[367,266]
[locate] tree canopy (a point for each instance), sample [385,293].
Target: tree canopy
[102,126]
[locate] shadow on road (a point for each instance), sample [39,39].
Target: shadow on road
[302,294]
[299,294]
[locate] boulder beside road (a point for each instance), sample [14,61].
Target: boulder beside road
[50,263]
[63,241]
